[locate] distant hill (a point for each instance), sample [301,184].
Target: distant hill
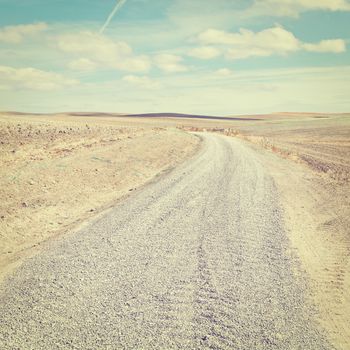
[186,116]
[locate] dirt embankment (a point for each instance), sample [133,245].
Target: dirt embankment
[318,217]
[55,173]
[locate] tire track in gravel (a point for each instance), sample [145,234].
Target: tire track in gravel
[198,260]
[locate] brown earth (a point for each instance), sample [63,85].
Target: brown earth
[58,171]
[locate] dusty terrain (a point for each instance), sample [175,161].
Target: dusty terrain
[317,214]
[313,179]
[309,157]
[57,171]
[198,260]
[320,141]
[316,197]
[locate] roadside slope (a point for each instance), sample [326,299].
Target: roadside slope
[55,174]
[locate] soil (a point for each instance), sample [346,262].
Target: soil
[56,172]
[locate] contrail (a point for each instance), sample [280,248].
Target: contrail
[118,5]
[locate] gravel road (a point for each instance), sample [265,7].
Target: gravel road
[197,260]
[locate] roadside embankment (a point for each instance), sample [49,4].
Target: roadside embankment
[58,172]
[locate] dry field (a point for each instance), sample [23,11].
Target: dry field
[313,178]
[321,142]
[58,171]
[316,197]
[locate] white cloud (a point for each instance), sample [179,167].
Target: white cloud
[170,63]
[194,16]
[103,51]
[94,44]
[336,46]
[205,52]
[270,40]
[33,79]
[275,40]
[292,8]
[82,64]
[224,72]
[141,81]
[323,89]
[15,34]
[140,63]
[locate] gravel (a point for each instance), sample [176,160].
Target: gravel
[199,259]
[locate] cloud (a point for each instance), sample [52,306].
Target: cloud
[271,41]
[139,63]
[33,79]
[268,41]
[16,34]
[141,81]
[224,72]
[103,51]
[336,46]
[205,52]
[292,8]
[99,46]
[191,17]
[170,63]
[82,64]
[199,92]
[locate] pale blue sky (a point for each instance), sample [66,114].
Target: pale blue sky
[192,56]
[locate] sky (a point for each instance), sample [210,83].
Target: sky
[218,57]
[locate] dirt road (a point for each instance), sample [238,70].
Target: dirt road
[198,260]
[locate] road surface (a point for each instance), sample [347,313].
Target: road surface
[197,260]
